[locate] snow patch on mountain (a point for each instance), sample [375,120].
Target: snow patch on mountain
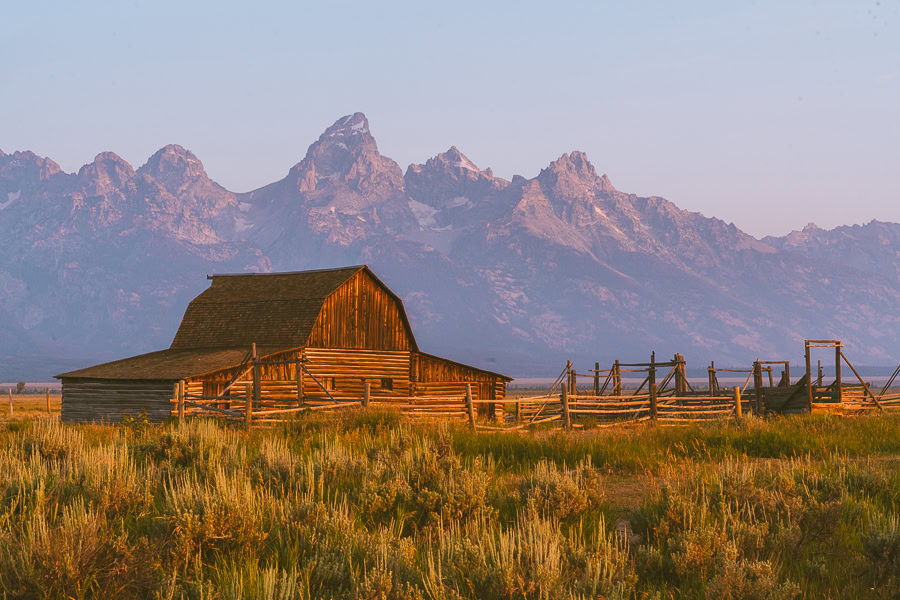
[241,224]
[459,201]
[10,198]
[423,213]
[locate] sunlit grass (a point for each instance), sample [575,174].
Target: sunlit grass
[364,505]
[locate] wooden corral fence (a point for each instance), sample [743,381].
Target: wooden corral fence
[592,398]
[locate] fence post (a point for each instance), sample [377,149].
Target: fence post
[256,390]
[757,386]
[518,412]
[837,373]
[567,418]
[596,379]
[49,412]
[809,378]
[679,377]
[366,387]
[179,400]
[737,402]
[299,368]
[617,381]
[711,371]
[651,377]
[9,391]
[248,407]
[469,410]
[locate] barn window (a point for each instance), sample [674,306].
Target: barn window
[330,383]
[387,383]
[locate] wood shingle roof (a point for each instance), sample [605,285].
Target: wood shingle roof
[278,309]
[170,364]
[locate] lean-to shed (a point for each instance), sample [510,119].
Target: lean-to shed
[344,326]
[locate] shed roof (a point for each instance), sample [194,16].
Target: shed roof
[171,364]
[465,366]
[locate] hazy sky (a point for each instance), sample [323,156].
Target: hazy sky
[770,115]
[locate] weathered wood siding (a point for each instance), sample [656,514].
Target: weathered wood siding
[111,400]
[361,315]
[433,376]
[343,371]
[213,384]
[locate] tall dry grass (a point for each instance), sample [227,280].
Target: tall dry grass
[367,506]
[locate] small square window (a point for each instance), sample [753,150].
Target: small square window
[387,383]
[330,383]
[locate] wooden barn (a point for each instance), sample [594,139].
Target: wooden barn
[317,335]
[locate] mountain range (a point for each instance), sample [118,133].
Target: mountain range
[512,275]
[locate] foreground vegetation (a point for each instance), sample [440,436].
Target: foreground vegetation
[371,507]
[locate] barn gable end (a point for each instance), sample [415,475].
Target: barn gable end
[362,314]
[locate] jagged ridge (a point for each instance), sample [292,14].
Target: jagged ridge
[524,272]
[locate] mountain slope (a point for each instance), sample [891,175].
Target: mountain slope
[514,275]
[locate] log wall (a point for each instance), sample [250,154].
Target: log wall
[349,370]
[435,376]
[111,400]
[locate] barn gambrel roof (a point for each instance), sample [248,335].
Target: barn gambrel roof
[276,311]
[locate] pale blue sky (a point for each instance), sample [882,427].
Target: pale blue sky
[766,114]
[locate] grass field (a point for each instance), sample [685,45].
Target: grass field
[28,405]
[368,506]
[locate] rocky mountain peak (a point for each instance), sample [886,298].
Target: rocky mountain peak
[108,174]
[175,168]
[109,162]
[354,127]
[452,183]
[573,177]
[346,152]
[26,168]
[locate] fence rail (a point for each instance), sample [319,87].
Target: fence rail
[563,408]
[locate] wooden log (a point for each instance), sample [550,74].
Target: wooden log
[179,401]
[837,371]
[711,373]
[651,375]
[254,357]
[737,403]
[596,378]
[567,417]
[617,379]
[299,376]
[606,411]
[366,388]
[809,383]
[757,386]
[470,410]
[248,405]
[644,401]
[865,386]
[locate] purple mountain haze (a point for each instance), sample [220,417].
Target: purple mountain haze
[514,275]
